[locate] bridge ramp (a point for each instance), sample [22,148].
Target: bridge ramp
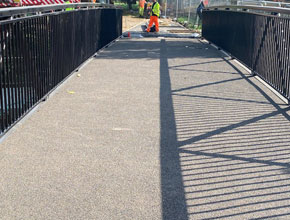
[151,128]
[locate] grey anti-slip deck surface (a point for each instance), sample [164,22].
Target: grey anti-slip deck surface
[152,128]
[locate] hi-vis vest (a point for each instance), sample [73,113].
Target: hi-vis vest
[68,9]
[155,9]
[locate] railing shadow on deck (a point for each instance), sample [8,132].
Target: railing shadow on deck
[221,168]
[220,157]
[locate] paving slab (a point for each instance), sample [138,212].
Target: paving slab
[151,128]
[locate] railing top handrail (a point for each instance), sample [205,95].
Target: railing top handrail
[262,3]
[252,7]
[252,2]
[13,11]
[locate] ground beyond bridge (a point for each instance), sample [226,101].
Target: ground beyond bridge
[151,128]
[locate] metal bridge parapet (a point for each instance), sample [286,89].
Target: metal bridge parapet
[42,45]
[258,36]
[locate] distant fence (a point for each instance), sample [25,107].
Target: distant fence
[260,41]
[38,52]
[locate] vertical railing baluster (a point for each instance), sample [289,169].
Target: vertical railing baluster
[2,85]
[38,52]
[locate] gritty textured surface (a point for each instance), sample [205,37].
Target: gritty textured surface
[151,129]
[129,21]
[92,150]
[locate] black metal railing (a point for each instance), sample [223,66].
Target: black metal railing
[260,41]
[38,52]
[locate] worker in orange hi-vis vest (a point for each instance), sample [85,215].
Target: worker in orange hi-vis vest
[141,7]
[155,12]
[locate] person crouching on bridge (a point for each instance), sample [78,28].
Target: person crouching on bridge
[155,11]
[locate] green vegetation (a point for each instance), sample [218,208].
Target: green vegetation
[194,23]
[181,20]
[125,6]
[126,10]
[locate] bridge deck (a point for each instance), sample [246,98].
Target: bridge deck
[152,128]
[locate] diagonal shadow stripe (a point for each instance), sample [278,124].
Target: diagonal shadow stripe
[232,157]
[218,98]
[205,71]
[257,183]
[277,106]
[239,192]
[272,216]
[231,127]
[217,182]
[194,64]
[243,205]
[275,208]
[209,84]
[239,198]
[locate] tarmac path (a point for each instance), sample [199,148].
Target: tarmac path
[151,128]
